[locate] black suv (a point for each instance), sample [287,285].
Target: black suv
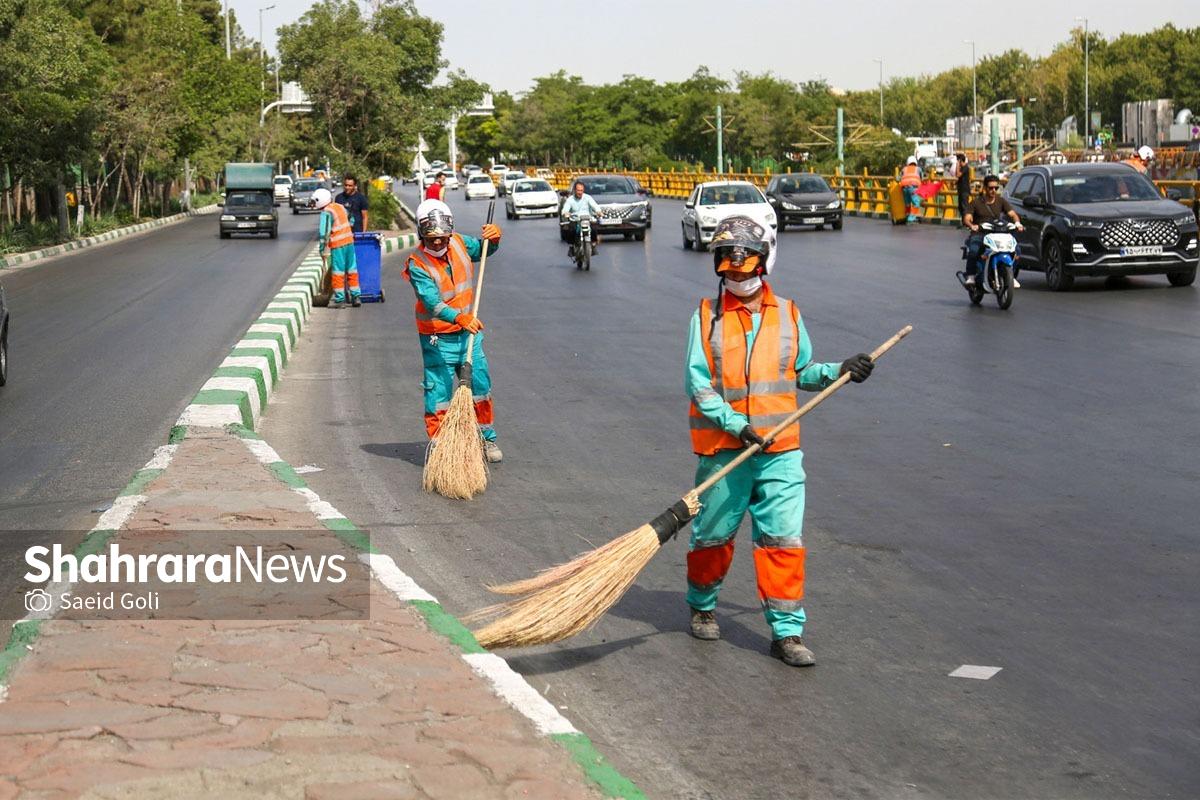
[624,206]
[1100,219]
[804,200]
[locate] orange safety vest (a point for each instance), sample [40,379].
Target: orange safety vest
[341,234]
[765,391]
[1137,164]
[456,285]
[910,175]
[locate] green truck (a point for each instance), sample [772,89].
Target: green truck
[249,205]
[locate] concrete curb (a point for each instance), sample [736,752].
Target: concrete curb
[398,244]
[26,259]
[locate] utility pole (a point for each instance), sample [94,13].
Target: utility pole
[262,77]
[841,142]
[1087,109]
[227,48]
[879,61]
[720,142]
[974,85]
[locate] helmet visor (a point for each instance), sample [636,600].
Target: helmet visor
[739,259]
[436,223]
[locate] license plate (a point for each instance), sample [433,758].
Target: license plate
[1144,250]
[610,221]
[812,221]
[246,224]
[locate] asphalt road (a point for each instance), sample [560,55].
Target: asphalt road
[108,345]
[1010,489]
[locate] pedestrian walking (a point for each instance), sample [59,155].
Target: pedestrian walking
[962,182]
[437,189]
[441,271]
[739,392]
[355,203]
[335,234]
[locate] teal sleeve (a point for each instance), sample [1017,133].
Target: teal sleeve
[429,295]
[324,225]
[475,247]
[810,375]
[698,383]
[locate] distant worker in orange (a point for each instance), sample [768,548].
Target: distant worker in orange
[1141,159]
[910,179]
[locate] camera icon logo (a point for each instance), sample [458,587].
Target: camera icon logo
[38,600]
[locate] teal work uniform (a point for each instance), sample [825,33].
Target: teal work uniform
[442,354]
[768,485]
[342,262]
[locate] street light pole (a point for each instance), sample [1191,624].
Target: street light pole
[227,48]
[974,84]
[1087,112]
[879,61]
[262,76]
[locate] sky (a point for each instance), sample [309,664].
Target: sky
[507,44]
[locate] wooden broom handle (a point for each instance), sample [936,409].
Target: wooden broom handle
[795,415]
[479,283]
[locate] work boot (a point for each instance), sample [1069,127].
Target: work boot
[793,652]
[337,303]
[704,626]
[355,301]
[491,451]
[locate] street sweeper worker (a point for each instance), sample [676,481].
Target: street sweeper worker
[441,271]
[910,181]
[334,232]
[747,354]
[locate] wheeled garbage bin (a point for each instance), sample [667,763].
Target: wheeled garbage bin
[368,252]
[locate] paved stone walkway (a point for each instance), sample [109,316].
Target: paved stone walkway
[377,708]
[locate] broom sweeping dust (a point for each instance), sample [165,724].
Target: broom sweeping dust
[569,598]
[455,465]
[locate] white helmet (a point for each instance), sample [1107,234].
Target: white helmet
[911,160]
[434,219]
[321,198]
[1145,152]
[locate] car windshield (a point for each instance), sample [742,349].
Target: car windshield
[306,186]
[1102,188]
[479,179]
[283,179]
[729,195]
[611,185]
[241,199]
[532,186]
[805,184]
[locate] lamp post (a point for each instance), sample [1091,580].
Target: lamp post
[262,76]
[1087,112]
[879,61]
[974,84]
[227,48]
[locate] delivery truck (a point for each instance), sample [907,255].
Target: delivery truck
[249,205]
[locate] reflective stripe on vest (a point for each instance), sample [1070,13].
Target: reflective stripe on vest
[340,234]
[455,286]
[910,176]
[762,387]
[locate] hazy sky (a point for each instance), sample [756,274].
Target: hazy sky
[506,44]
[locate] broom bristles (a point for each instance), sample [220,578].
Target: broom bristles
[555,574]
[456,467]
[561,609]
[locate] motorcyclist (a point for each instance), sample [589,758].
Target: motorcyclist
[988,207]
[579,204]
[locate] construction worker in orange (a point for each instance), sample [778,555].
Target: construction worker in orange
[335,234]
[748,353]
[910,180]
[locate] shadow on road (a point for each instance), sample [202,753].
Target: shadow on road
[412,452]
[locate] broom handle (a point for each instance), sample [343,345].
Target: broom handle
[797,414]
[479,283]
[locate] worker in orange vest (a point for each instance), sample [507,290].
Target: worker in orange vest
[747,354]
[334,232]
[442,273]
[910,179]
[1141,159]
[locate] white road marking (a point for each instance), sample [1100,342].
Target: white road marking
[973,671]
[390,575]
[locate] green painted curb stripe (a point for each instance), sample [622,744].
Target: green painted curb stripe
[178,434]
[140,479]
[285,473]
[293,328]
[349,533]
[226,397]
[262,352]
[296,314]
[447,625]
[246,372]
[20,639]
[243,432]
[278,337]
[597,769]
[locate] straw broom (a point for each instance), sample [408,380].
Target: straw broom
[569,598]
[455,465]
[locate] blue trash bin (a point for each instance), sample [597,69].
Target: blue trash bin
[368,252]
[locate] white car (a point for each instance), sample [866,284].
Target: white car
[711,202]
[283,188]
[531,197]
[451,180]
[498,170]
[468,169]
[480,186]
[510,177]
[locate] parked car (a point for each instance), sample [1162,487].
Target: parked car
[479,186]
[510,177]
[624,206]
[804,200]
[711,202]
[283,188]
[531,197]
[1100,219]
[302,190]
[3,338]
[470,169]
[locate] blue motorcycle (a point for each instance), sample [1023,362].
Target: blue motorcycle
[997,262]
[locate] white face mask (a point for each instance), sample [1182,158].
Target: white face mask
[744,288]
[437,253]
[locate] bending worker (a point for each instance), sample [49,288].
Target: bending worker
[747,354]
[910,180]
[442,273]
[334,232]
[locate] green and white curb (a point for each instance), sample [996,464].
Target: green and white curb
[398,244]
[509,685]
[27,259]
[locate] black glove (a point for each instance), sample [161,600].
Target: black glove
[859,367]
[749,436]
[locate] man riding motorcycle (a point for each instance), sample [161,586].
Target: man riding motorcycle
[579,204]
[988,207]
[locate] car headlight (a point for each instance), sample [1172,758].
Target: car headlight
[708,219]
[790,206]
[1186,219]
[1093,224]
[770,217]
[265,216]
[835,204]
[227,218]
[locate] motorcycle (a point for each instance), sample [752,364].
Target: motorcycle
[581,251]
[997,257]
